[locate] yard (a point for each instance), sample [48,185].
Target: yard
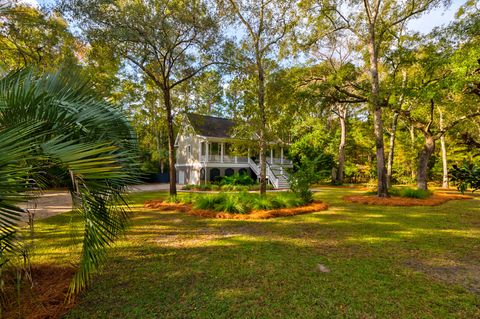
[397,262]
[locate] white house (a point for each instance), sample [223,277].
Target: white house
[205,150]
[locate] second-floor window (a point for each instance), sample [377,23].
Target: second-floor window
[203,148]
[215,148]
[189,151]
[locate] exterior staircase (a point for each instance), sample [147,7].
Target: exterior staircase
[276,173]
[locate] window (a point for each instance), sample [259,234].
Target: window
[229,172]
[189,150]
[215,148]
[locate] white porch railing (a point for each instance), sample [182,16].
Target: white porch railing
[278,180]
[280,161]
[255,168]
[271,177]
[226,159]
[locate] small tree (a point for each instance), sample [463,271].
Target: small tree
[466,176]
[266,24]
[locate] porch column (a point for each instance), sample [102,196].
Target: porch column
[206,150]
[248,154]
[222,151]
[281,160]
[200,152]
[235,158]
[271,155]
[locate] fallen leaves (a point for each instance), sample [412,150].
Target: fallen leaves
[434,200]
[256,214]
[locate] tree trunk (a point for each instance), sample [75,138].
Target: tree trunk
[377,116]
[159,149]
[171,142]
[444,154]
[425,154]
[341,147]
[391,149]
[263,124]
[444,162]
[412,151]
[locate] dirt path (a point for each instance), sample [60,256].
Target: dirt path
[49,203]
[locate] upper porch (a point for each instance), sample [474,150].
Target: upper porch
[225,152]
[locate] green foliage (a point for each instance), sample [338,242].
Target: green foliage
[55,120]
[466,176]
[242,203]
[302,178]
[355,241]
[235,188]
[226,187]
[237,179]
[312,148]
[30,36]
[409,192]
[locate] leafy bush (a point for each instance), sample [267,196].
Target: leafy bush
[227,188]
[286,200]
[410,192]
[237,179]
[242,203]
[209,201]
[301,180]
[466,176]
[256,187]
[201,187]
[261,203]
[234,188]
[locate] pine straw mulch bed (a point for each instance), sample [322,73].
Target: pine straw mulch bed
[434,200]
[45,298]
[160,205]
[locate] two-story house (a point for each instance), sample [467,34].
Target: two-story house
[206,150]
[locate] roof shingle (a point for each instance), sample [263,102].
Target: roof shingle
[211,126]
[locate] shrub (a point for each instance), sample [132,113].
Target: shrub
[261,202]
[237,179]
[466,176]
[286,199]
[209,201]
[410,192]
[256,187]
[234,203]
[302,179]
[234,188]
[415,193]
[242,203]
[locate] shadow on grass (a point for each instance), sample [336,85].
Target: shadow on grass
[384,262]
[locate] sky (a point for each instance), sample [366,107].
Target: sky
[422,24]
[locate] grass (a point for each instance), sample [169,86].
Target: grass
[385,262]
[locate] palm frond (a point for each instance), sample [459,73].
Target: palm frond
[72,128]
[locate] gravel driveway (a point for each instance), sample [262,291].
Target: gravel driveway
[53,202]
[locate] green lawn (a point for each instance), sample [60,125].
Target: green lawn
[385,262]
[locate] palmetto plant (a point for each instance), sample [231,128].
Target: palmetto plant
[56,120]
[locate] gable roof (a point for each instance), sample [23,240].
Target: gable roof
[211,126]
